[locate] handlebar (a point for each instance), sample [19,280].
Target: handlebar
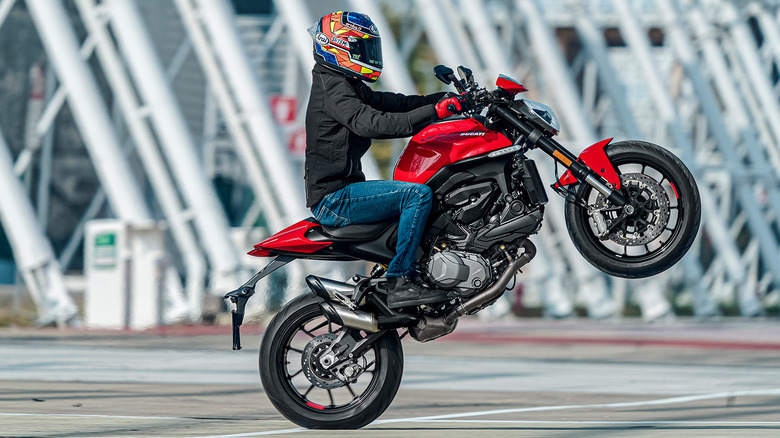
[479,98]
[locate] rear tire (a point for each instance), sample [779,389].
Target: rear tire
[633,252]
[286,388]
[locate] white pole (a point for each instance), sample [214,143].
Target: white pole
[593,41]
[298,19]
[47,155]
[592,289]
[452,21]
[178,146]
[444,46]
[91,116]
[485,33]
[32,252]
[5,9]
[749,56]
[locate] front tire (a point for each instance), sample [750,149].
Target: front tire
[312,397]
[661,231]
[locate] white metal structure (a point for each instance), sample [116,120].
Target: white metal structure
[707,88]
[252,101]
[177,144]
[34,257]
[91,117]
[147,147]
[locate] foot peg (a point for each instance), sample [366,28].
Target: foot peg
[239,297]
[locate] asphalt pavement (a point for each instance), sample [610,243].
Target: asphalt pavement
[511,378]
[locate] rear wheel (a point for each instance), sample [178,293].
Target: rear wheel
[311,396]
[660,225]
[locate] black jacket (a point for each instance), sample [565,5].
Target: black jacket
[342,117]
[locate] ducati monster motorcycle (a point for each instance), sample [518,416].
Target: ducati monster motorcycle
[332,358]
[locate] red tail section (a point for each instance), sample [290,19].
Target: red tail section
[290,239]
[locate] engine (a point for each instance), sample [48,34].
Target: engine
[506,202]
[461,271]
[483,210]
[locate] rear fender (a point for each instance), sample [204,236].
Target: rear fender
[596,158]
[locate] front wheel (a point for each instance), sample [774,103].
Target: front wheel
[314,397]
[664,215]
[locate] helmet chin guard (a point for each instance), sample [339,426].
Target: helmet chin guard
[349,43]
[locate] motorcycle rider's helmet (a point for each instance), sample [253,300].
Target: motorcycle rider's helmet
[348,42]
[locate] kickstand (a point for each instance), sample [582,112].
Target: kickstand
[239,297]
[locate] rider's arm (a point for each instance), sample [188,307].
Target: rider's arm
[344,105]
[396,102]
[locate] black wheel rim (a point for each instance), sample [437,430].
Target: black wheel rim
[660,173]
[309,395]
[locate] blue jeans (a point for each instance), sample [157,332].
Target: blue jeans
[376,201]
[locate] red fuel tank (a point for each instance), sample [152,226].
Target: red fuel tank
[445,143]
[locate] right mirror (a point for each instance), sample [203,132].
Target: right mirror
[466,74]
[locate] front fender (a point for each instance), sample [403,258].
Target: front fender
[596,158]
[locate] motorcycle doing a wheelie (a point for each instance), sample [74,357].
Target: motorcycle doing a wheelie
[332,358]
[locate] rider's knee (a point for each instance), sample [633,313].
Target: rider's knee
[424,192]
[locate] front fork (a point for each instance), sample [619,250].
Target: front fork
[579,170]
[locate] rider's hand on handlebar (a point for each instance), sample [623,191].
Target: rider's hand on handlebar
[448,106]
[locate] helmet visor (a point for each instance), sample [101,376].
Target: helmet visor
[367,51]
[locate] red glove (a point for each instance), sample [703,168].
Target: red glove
[451,105]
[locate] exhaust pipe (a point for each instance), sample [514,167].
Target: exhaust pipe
[361,320]
[494,291]
[337,291]
[350,318]
[329,289]
[429,329]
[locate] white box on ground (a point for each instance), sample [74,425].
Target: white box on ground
[123,265]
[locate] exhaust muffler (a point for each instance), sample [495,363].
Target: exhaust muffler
[357,319]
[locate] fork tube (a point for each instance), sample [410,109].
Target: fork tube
[554,149]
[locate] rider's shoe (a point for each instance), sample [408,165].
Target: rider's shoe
[403,291]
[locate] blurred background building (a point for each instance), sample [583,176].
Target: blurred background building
[145,145]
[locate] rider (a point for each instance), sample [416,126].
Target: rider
[342,117]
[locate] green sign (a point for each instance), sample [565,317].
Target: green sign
[105,251]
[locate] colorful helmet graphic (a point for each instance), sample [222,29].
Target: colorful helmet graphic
[349,43]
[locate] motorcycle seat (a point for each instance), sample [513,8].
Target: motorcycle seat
[358,231]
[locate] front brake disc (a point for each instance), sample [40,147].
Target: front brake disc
[652,211]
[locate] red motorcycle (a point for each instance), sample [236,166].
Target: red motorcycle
[332,358]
